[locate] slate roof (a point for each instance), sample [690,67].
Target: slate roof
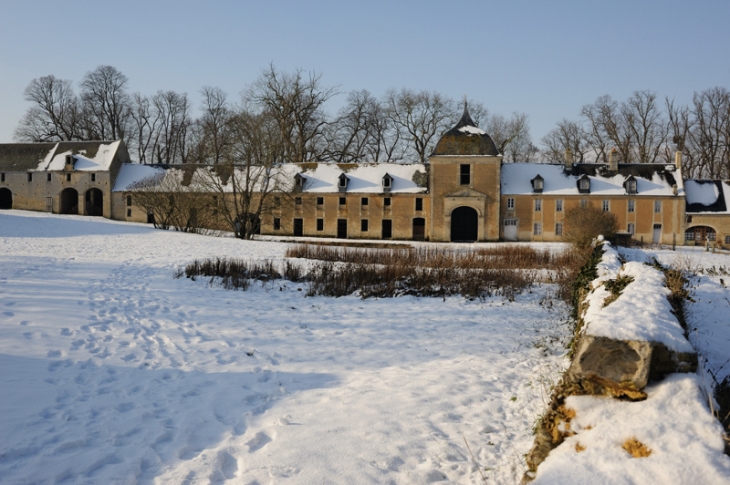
[651,179]
[465,139]
[707,196]
[90,155]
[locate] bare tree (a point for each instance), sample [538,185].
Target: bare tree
[54,114]
[170,144]
[296,102]
[212,128]
[144,131]
[423,116]
[709,137]
[251,171]
[511,136]
[106,103]
[567,135]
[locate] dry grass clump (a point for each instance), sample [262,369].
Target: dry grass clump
[579,448]
[616,287]
[636,448]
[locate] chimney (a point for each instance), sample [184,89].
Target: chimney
[678,160]
[675,189]
[568,159]
[613,160]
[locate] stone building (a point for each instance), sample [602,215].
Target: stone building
[62,178]
[464,193]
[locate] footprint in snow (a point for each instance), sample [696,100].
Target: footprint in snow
[259,440]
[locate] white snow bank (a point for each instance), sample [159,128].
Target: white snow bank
[674,422]
[642,311]
[698,192]
[609,265]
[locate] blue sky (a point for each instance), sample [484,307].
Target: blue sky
[546,59]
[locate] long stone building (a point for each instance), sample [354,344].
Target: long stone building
[464,193]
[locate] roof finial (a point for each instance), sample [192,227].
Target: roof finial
[465,108]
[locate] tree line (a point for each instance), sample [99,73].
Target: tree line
[283,117]
[280,115]
[643,129]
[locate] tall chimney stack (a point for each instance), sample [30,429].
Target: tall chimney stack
[613,160]
[678,160]
[568,159]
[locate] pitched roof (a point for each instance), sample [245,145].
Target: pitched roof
[89,155]
[651,179]
[465,139]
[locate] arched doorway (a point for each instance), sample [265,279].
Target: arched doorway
[464,224]
[6,199]
[419,229]
[94,202]
[700,234]
[69,201]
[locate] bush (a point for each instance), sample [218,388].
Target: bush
[583,224]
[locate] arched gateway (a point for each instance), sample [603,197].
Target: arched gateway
[69,201]
[464,225]
[94,202]
[6,198]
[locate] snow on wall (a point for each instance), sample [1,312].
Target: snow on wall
[642,312]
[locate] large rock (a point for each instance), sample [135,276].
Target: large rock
[623,368]
[612,367]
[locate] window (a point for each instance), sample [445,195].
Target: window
[606,205]
[559,229]
[343,200]
[68,177]
[320,224]
[277,201]
[129,200]
[558,205]
[727,239]
[364,225]
[510,203]
[364,201]
[30,177]
[2,177]
[657,206]
[49,204]
[419,204]
[215,200]
[320,200]
[537,184]
[48,177]
[537,228]
[711,236]
[464,174]
[277,223]
[386,201]
[93,177]
[584,185]
[298,200]
[631,205]
[387,229]
[129,212]
[583,202]
[689,235]
[538,205]
[631,186]
[631,228]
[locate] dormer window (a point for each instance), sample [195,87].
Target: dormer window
[342,183]
[584,185]
[69,162]
[299,180]
[537,184]
[630,185]
[387,182]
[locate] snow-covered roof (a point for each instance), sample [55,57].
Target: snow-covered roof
[88,155]
[652,180]
[709,196]
[101,159]
[318,178]
[362,178]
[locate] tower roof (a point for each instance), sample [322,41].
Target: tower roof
[465,138]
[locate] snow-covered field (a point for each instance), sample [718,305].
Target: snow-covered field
[112,371]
